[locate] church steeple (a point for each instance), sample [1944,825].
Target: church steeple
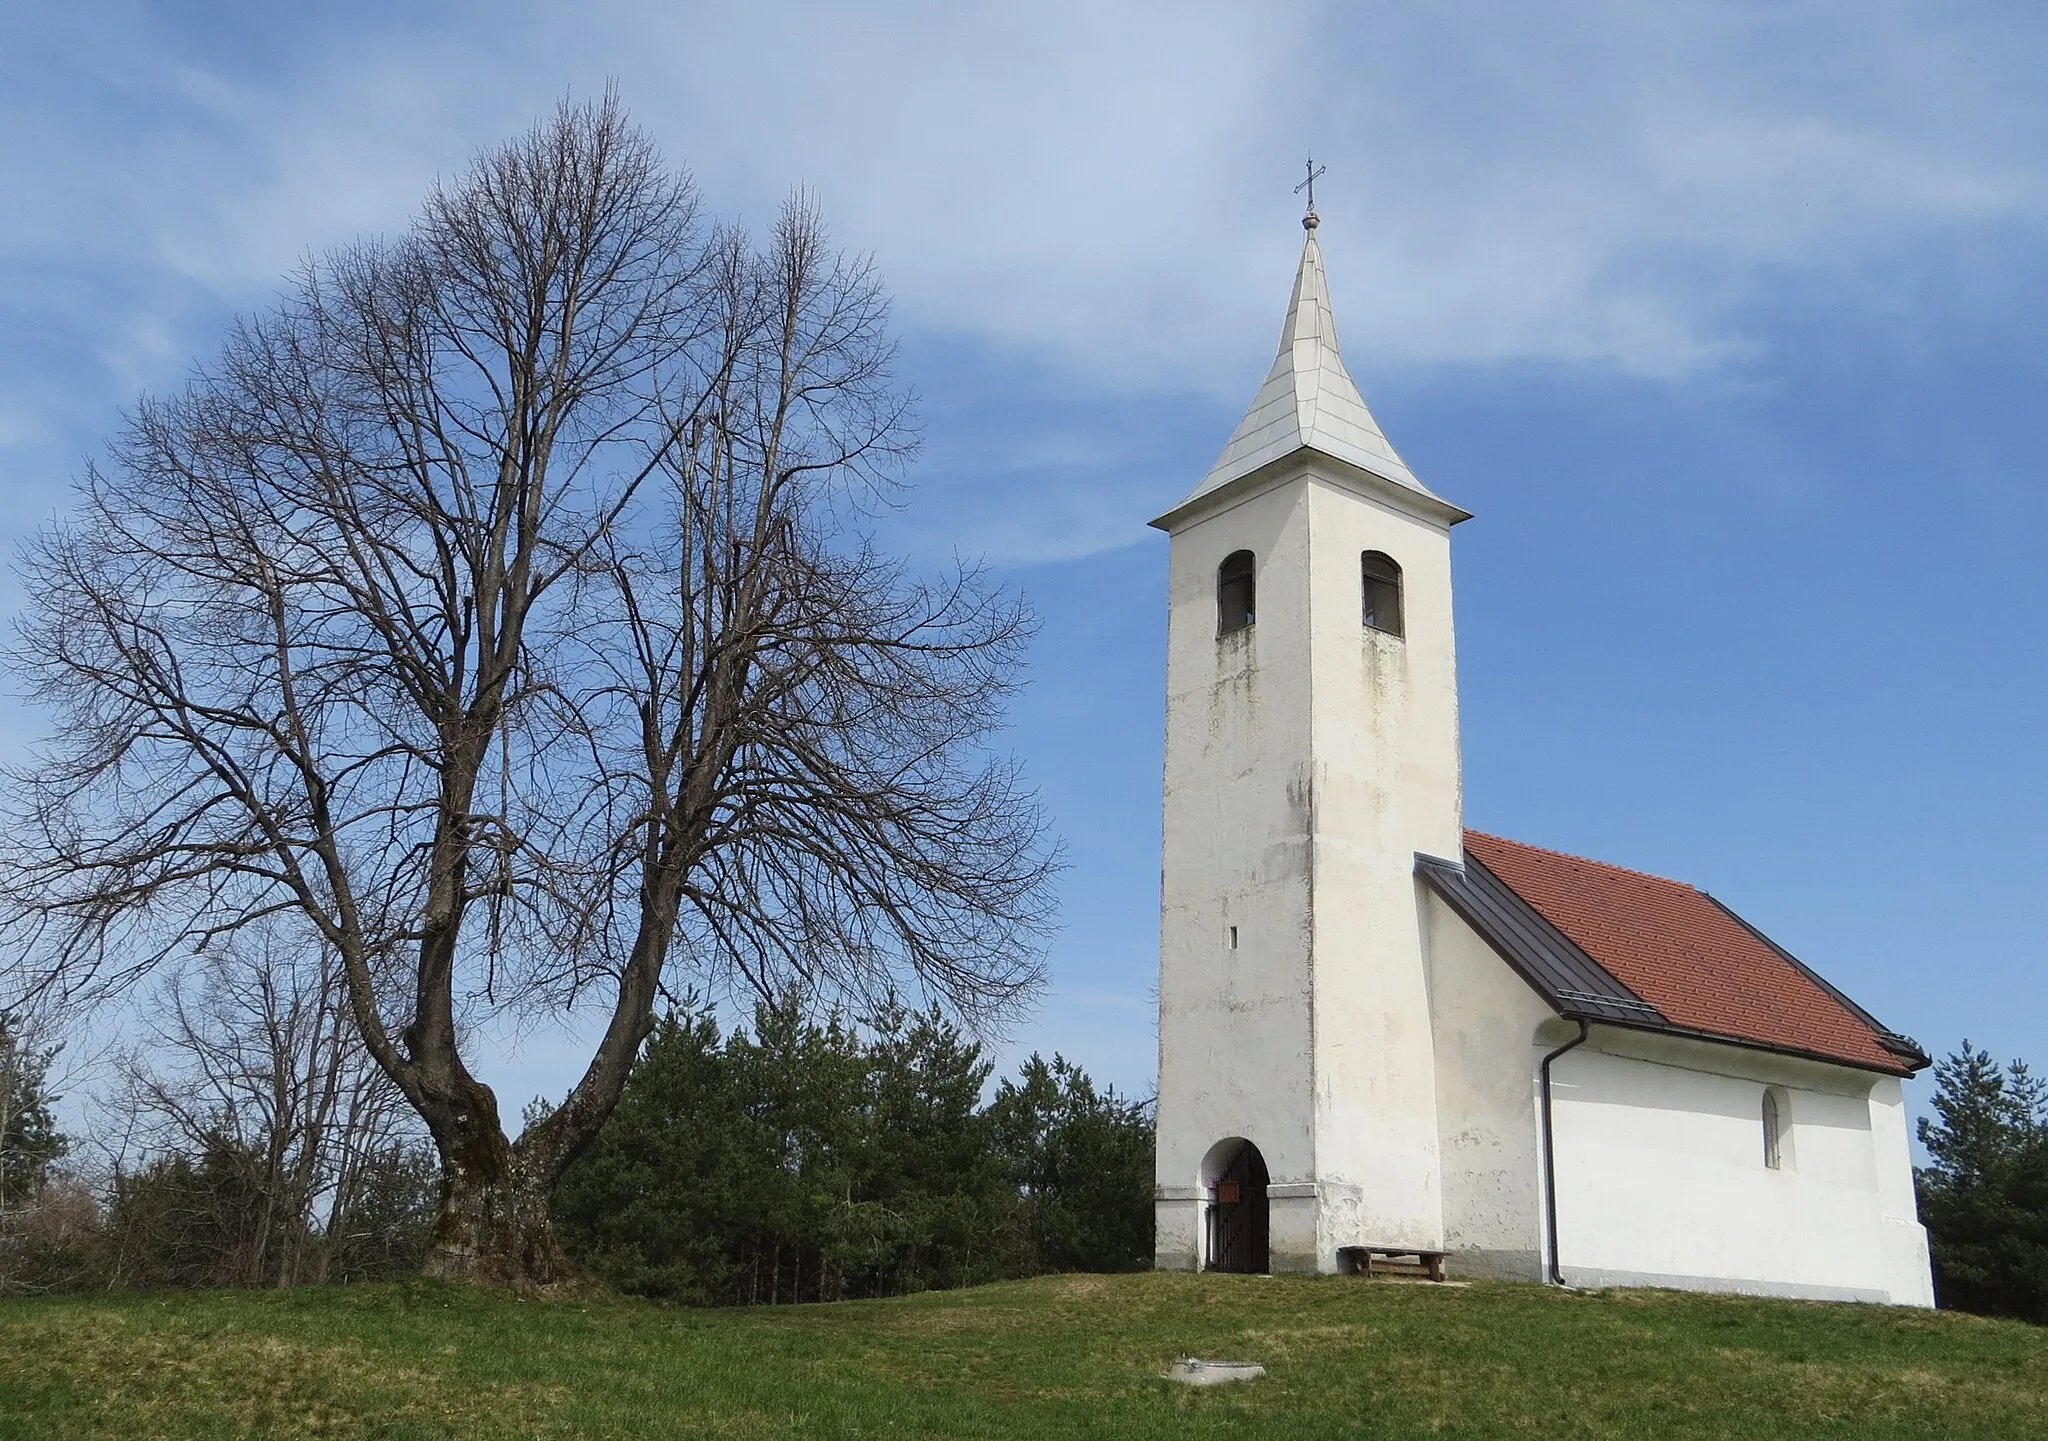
[1309,398]
[1311,755]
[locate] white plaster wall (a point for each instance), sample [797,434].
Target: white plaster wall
[1486,1018]
[1235,1025]
[1662,1181]
[1909,1271]
[1307,760]
[1384,713]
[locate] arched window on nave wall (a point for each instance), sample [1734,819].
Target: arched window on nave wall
[1774,1129]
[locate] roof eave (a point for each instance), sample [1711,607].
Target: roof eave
[1903,1046]
[1742,1043]
[1240,488]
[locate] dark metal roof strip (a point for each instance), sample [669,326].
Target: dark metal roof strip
[1564,964]
[1572,982]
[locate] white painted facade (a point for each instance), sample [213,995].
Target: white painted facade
[1661,1172]
[1662,1181]
[1318,1002]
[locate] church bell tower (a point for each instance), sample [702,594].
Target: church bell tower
[1311,753]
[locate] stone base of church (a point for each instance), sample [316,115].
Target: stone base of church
[1293,1207]
[1177,1228]
[1494,1266]
[1304,1233]
[1594,1279]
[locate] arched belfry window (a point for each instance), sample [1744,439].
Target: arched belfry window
[1382,580]
[1774,1129]
[1236,601]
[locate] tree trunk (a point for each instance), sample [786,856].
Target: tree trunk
[493,1227]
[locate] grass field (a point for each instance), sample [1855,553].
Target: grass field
[1059,1357]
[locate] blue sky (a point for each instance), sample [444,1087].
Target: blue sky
[1724,319]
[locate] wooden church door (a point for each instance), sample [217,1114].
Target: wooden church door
[1238,1215]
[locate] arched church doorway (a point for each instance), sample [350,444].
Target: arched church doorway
[1234,1174]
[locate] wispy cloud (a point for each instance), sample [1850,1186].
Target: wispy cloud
[1099,191]
[1108,184]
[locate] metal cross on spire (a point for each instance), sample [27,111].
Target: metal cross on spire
[1309,220]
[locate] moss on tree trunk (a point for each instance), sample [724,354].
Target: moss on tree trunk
[493,1226]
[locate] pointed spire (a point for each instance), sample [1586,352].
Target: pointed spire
[1309,398]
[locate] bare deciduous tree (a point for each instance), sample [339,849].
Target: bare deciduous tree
[499,605]
[249,1054]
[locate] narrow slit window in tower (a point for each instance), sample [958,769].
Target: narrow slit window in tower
[1774,1120]
[1382,592]
[1236,605]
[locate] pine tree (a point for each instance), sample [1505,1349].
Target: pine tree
[814,1159]
[1082,1162]
[29,1139]
[1984,1198]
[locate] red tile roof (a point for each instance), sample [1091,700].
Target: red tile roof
[1685,954]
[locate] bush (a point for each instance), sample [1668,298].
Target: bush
[183,1221]
[44,1213]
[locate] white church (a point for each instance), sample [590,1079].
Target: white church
[1386,1039]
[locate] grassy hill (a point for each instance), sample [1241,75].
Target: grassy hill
[1060,1357]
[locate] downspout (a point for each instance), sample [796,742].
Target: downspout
[1550,1153]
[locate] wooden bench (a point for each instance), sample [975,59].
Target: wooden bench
[1393,1261]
